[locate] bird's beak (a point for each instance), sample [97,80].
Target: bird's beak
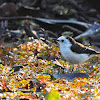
[57,40]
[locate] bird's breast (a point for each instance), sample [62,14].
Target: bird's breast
[72,57]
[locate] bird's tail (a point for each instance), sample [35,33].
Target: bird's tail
[98,53]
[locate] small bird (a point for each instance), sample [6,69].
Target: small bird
[74,52]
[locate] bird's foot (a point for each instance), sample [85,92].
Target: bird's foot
[70,70]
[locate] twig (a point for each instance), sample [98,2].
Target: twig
[17,18]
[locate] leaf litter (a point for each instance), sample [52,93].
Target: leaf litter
[34,58]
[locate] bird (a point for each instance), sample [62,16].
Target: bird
[75,52]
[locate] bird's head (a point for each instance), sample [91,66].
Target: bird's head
[65,40]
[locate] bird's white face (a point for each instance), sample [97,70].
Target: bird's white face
[63,41]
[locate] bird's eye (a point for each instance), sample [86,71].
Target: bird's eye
[67,37]
[62,40]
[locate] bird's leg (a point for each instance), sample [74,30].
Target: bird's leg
[79,65]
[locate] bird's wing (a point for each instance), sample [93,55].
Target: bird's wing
[79,48]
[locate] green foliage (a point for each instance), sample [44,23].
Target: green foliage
[53,95]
